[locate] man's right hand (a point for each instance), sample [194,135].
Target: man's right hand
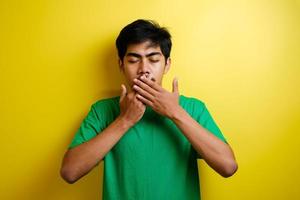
[79,160]
[131,109]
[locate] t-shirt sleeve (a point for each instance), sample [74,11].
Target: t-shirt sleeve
[88,129]
[206,120]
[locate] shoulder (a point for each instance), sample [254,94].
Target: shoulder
[192,105]
[106,103]
[105,110]
[191,101]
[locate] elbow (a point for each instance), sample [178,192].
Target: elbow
[230,169]
[68,175]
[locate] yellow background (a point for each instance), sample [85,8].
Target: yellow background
[241,58]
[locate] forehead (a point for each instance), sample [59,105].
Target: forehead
[143,48]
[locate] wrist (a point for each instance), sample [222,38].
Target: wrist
[124,122]
[177,113]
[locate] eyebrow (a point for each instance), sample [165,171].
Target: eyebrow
[139,56]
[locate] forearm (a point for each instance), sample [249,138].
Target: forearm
[80,160]
[215,152]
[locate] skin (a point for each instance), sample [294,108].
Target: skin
[144,67]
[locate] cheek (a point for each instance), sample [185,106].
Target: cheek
[129,70]
[129,74]
[158,70]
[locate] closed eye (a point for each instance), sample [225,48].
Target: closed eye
[154,61]
[154,58]
[133,61]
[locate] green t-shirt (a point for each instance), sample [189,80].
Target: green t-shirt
[153,160]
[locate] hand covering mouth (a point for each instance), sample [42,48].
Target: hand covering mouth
[147,76]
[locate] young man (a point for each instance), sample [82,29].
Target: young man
[149,138]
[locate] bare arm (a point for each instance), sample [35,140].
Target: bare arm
[215,152]
[78,161]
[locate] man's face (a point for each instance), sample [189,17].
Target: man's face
[144,59]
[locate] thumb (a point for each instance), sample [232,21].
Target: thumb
[123,93]
[175,85]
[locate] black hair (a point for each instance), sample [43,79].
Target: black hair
[144,30]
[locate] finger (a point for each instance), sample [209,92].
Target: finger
[144,100]
[123,93]
[145,87]
[151,83]
[175,85]
[143,92]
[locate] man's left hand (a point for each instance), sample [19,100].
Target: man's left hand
[162,101]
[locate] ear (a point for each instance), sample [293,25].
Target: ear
[121,65]
[168,65]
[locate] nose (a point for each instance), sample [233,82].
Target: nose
[143,68]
